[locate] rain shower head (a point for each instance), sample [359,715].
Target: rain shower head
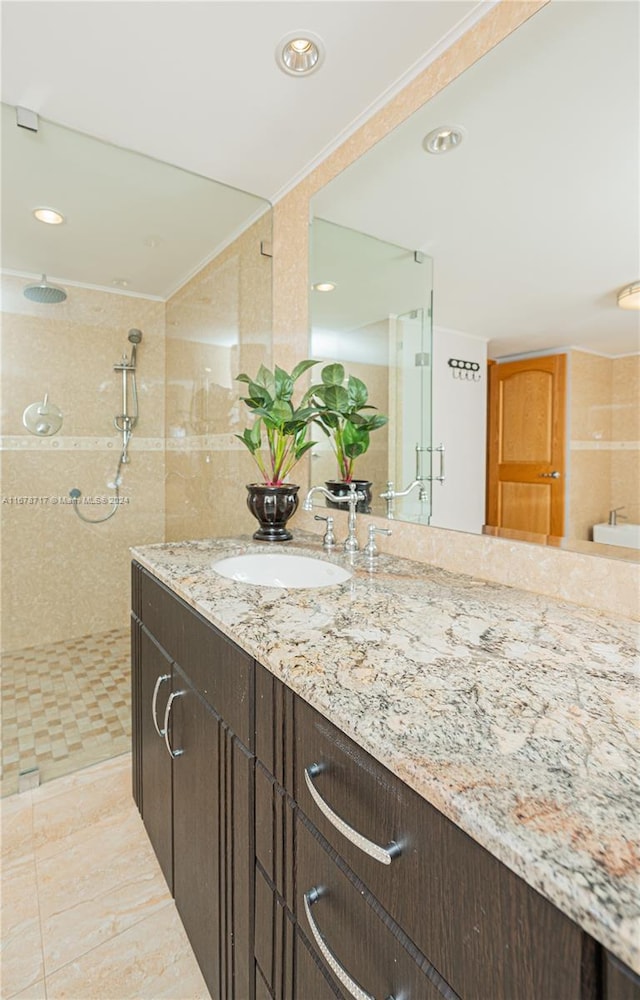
[44,292]
[135,336]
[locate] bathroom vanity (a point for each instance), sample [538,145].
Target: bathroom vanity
[411,785]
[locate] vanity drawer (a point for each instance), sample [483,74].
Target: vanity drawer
[218,669]
[350,938]
[482,927]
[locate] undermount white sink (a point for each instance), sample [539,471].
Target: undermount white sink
[274,569]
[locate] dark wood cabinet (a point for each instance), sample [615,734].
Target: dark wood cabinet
[194,777]
[621,983]
[157,787]
[482,927]
[271,827]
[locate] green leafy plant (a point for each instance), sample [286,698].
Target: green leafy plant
[269,398]
[340,403]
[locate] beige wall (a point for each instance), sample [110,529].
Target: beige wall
[62,578]
[600,582]
[605,431]
[218,325]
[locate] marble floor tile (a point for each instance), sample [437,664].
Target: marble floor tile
[21,957]
[150,961]
[16,828]
[37,991]
[55,817]
[86,911]
[96,887]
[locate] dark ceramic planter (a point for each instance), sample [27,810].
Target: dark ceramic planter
[341,489]
[272,506]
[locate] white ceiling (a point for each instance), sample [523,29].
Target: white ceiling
[196,83]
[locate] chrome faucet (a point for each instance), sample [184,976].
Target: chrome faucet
[614,515]
[371,549]
[329,539]
[390,494]
[353,498]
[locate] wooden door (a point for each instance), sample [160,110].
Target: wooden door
[526,446]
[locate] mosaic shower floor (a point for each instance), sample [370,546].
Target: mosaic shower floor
[65,705]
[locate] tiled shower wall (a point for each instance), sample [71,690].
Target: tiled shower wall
[218,325]
[63,578]
[605,440]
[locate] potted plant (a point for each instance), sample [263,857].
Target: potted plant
[269,398]
[341,402]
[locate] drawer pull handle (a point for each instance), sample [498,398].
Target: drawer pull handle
[154,700]
[338,970]
[172,753]
[383,854]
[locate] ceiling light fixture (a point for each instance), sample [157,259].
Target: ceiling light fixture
[300,53]
[48,215]
[443,139]
[629,296]
[324,286]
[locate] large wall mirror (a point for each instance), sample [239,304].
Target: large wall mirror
[529,227]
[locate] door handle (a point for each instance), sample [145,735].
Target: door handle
[154,707]
[550,475]
[172,753]
[354,989]
[383,854]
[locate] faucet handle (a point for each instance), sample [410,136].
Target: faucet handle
[371,549]
[329,539]
[614,515]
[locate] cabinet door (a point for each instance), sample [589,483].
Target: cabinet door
[213,844]
[621,982]
[155,800]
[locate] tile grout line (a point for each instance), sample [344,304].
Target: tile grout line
[109,940]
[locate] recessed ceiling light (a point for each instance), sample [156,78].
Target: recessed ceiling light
[629,296]
[120,282]
[324,286]
[443,139]
[300,53]
[48,215]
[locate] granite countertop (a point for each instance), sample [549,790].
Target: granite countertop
[515,715]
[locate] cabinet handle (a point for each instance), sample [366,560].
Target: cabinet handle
[383,854]
[154,709]
[356,991]
[167,711]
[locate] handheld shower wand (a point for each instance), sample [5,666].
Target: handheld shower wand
[128,418]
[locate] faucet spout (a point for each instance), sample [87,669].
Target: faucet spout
[308,500]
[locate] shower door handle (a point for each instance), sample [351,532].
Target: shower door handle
[154,700]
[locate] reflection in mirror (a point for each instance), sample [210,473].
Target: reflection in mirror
[532,223]
[371,312]
[149,257]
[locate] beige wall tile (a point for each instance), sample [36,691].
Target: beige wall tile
[626,392]
[591,410]
[591,473]
[218,324]
[69,579]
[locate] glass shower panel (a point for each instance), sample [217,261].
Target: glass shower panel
[413,455]
[375,319]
